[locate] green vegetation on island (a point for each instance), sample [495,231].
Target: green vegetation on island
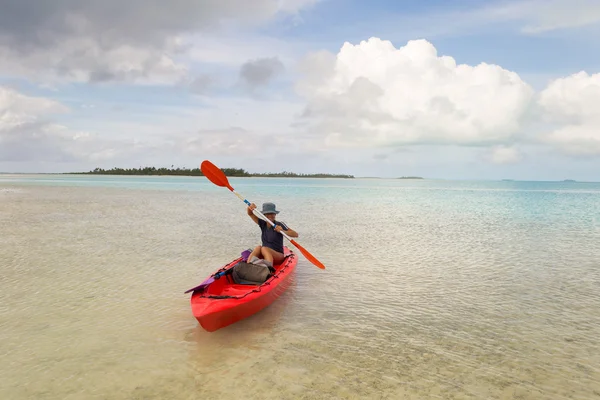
[410,177]
[233,172]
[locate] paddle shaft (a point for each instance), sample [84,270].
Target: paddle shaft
[261,215]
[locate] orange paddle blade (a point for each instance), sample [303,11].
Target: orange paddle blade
[308,256]
[214,174]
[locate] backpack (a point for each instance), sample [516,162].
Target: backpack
[251,274]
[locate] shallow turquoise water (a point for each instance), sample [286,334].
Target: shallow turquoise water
[433,289]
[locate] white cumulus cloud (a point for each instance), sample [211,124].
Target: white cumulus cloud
[373,94]
[572,105]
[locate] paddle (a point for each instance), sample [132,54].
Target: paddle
[202,285]
[216,176]
[206,282]
[211,279]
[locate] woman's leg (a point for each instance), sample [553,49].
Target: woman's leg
[255,253]
[271,255]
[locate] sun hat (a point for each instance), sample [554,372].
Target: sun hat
[269,208]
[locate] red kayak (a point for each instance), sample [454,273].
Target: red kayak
[220,302]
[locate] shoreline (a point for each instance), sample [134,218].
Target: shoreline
[230,172]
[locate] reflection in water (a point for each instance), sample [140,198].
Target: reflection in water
[442,294]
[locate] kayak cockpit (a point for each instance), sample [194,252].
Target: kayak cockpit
[229,284]
[225,286]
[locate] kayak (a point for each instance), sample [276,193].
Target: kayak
[219,301]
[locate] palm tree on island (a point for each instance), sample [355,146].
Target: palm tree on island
[233,172]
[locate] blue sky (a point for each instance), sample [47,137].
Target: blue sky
[272,88]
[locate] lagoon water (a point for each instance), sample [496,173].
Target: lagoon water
[433,289]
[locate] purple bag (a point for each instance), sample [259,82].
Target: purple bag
[246,254]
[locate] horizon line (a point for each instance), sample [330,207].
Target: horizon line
[333,176]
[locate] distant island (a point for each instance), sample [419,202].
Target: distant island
[410,177]
[233,172]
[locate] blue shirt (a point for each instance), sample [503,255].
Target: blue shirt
[270,238]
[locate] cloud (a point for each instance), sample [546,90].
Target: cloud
[232,49]
[134,41]
[368,95]
[532,17]
[373,94]
[574,98]
[83,59]
[525,17]
[17,109]
[229,141]
[28,132]
[202,84]
[260,72]
[539,16]
[505,155]
[24,131]
[34,129]
[572,104]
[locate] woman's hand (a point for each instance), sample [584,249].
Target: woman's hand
[290,232]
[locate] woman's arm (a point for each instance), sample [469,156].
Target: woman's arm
[251,214]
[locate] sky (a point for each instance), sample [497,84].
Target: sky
[466,89]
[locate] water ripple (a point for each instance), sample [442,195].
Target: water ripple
[435,292]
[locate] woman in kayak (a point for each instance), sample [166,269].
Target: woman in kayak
[272,240]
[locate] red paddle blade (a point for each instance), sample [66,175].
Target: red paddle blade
[308,256]
[214,174]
